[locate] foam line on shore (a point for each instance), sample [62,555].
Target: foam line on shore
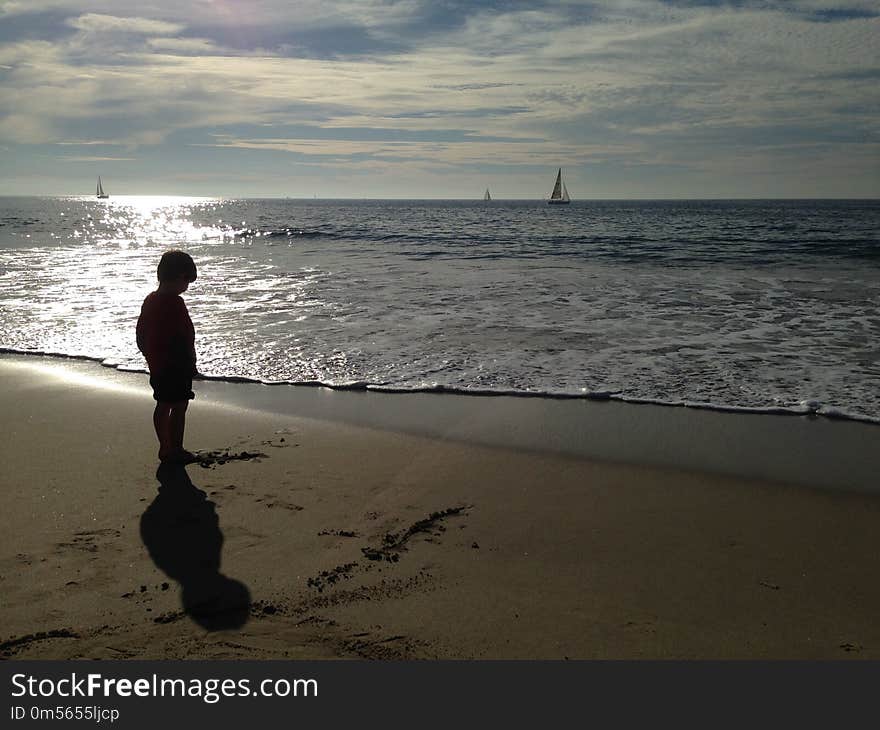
[805,408]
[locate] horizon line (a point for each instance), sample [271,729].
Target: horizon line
[438,199]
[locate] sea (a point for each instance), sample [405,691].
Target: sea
[746,305]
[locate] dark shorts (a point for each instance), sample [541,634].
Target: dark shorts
[172,386]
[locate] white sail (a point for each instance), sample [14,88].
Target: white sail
[100,189]
[560,192]
[557,188]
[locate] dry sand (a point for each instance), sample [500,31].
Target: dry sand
[325,539]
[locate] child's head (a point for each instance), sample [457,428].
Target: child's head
[176,266]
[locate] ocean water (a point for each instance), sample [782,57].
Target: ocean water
[756,305]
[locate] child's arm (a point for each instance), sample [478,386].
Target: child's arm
[140,335]
[190,334]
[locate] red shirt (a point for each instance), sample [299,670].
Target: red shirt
[165,333]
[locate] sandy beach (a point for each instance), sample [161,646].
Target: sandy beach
[431,531]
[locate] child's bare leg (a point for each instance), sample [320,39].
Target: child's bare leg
[161,422]
[176,427]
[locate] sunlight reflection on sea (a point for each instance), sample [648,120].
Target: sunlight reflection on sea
[739,304]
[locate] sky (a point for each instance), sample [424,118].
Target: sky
[441,98]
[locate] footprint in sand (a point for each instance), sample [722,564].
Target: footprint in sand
[90,540]
[212,459]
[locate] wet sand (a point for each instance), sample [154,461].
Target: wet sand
[348,527]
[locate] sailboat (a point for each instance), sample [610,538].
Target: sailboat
[486,195]
[559,196]
[100,191]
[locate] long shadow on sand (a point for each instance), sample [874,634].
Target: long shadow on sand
[181,531]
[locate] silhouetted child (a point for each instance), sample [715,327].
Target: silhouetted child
[166,337]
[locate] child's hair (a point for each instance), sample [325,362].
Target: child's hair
[175,264]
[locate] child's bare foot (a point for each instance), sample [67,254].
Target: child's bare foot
[180,456]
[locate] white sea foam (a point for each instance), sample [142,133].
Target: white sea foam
[616,301]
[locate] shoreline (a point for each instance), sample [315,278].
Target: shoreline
[312,537]
[808,410]
[801,449]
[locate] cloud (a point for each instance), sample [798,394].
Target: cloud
[463,151]
[11,7]
[24,129]
[184,45]
[98,23]
[84,143]
[636,82]
[96,158]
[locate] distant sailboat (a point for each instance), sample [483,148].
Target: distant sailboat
[559,196]
[100,191]
[486,196]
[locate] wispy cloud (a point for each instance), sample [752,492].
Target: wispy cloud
[99,23]
[96,158]
[184,45]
